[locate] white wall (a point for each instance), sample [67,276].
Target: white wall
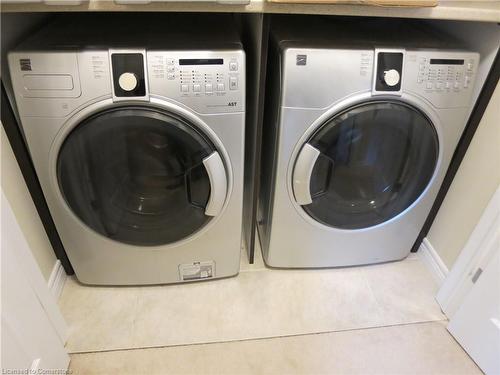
[475,183]
[16,27]
[17,194]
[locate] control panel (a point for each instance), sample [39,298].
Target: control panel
[205,81]
[446,78]
[445,74]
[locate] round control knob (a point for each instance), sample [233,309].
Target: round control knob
[391,77]
[127,81]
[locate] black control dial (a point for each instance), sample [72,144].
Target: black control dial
[128,74]
[389,71]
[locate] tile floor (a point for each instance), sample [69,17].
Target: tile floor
[422,348]
[373,319]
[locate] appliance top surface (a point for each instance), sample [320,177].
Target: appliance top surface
[150,31]
[362,33]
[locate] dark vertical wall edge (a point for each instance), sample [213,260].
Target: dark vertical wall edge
[459,154]
[13,132]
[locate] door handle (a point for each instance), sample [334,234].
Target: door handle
[302,172]
[218,183]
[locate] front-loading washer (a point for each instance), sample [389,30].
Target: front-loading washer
[139,152]
[360,137]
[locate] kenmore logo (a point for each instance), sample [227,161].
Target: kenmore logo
[25,64]
[301,60]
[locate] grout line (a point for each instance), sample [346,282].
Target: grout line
[257,338]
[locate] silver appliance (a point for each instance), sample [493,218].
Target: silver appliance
[139,151]
[360,135]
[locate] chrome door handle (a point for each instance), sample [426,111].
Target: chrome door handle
[302,172]
[218,183]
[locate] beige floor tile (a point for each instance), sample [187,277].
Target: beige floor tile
[424,348]
[258,303]
[405,291]
[255,305]
[98,317]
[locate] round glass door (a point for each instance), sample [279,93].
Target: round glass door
[136,175]
[366,165]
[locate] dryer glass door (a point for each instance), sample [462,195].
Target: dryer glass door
[366,165]
[139,176]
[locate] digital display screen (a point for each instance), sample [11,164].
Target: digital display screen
[447,62]
[201,61]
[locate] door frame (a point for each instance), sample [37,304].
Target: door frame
[33,275]
[472,260]
[155,103]
[306,157]
[360,99]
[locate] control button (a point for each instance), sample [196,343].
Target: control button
[469,66]
[171,68]
[456,85]
[422,67]
[170,76]
[391,77]
[127,81]
[170,61]
[220,87]
[233,66]
[233,83]
[208,87]
[429,85]
[466,82]
[196,88]
[447,85]
[184,88]
[439,85]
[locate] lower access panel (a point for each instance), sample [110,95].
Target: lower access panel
[197,270]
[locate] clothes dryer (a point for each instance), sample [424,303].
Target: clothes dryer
[360,135]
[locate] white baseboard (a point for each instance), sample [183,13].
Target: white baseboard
[433,261]
[57,279]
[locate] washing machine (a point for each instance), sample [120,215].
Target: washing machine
[138,149]
[360,135]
